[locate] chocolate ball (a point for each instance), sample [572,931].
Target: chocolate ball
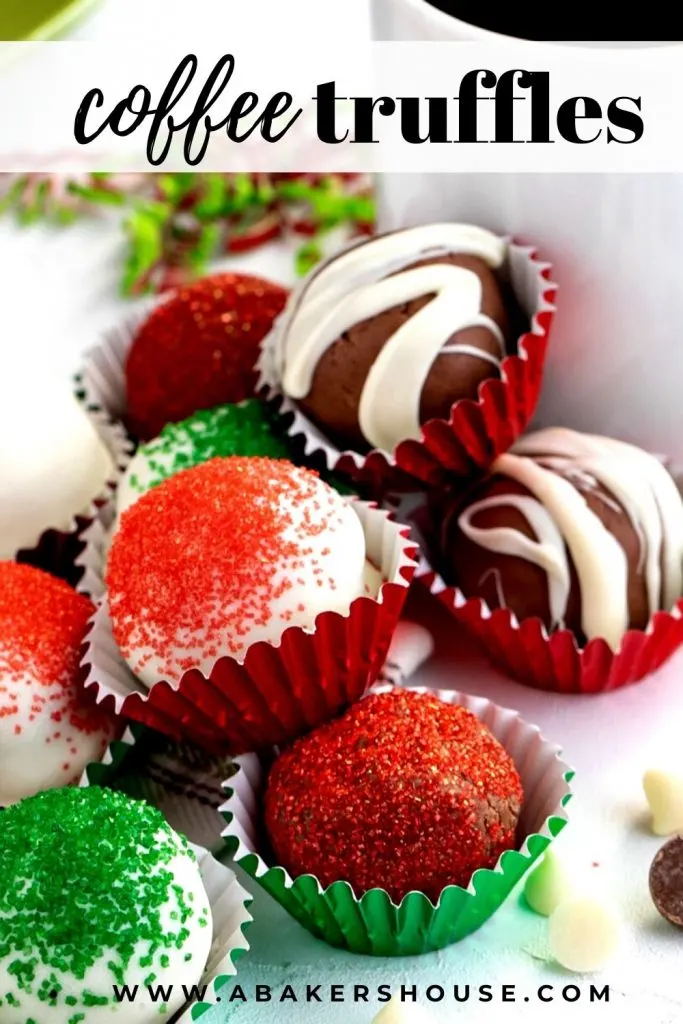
[404,792]
[395,330]
[581,532]
[666,881]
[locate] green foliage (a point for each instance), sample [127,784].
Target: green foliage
[175,224]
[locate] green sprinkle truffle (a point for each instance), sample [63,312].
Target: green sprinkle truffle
[97,892]
[249,428]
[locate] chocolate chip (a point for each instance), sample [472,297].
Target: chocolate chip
[666,881]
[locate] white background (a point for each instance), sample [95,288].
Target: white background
[59,291]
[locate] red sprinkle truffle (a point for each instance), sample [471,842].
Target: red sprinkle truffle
[49,727]
[229,552]
[404,792]
[198,349]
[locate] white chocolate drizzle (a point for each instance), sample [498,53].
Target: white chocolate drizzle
[370,278]
[552,464]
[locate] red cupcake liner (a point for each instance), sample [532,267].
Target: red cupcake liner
[279,691]
[60,551]
[549,661]
[477,431]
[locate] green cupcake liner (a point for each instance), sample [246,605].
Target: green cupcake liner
[373,924]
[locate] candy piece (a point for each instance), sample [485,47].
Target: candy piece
[226,554]
[198,349]
[50,729]
[666,881]
[583,934]
[96,890]
[398,1012]
[547,885]
[52,461]
[392,331]
[664,792]
[584,533]
[403,792]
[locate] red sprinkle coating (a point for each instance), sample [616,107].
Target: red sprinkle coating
[404,792]
[192,569]
[198,349]
[42,625]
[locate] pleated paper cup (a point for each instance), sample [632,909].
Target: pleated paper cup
[555,661]
[476,432]
[530,654]
[372,923]
[278,691]
[229,902]
[58,550]
[101,382]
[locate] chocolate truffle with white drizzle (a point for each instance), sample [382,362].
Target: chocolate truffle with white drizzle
[583,532]
[394,330]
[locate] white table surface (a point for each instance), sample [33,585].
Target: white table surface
[59,291]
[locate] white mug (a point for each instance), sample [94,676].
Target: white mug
[615,241]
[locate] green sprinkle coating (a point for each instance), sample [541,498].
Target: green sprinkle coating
[245,429]
[96,890]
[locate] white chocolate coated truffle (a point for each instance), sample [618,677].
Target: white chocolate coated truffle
[398,1012]
[548,884]
[54,465]
[47,752]
[583,934]
[253,546]
[664,793]
[98,892]
[50,730]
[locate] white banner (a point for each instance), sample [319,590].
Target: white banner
[438,107]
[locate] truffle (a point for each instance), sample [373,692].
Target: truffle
[245,429]
[50,729]
[393,331]
[198,349]
[225,554]
[403,792]
[582,532]
[97,891]
[666,881]
[54,467]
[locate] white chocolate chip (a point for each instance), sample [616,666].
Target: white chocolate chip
[548,884]
[583,934]
[397,1012]
[664,792]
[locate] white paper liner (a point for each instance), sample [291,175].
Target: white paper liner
[229,902]
[545,779]
[102,379]
[523,271]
